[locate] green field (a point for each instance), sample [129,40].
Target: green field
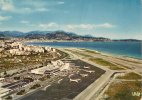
[124,91]
[78,53]
[106,63]
[131,75]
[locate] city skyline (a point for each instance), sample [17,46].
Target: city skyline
[112,18]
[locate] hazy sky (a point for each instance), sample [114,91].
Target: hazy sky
[106,18]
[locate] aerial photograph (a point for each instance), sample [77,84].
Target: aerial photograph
[70,49]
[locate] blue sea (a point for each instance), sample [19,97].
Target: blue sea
[129,49]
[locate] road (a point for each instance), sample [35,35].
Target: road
[96,89]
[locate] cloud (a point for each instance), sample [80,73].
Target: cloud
[6,5]
[81,26]
[23,10]
[26,6]
[28,10]
[3,18]
[105,25]
[35,3]
[42,9]
[24,22]
[89,26]
[61,2]
[75,26]
[49,25]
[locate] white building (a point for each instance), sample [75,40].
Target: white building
[27,48]
[66,66]
[34,49]
[1,49]
[4,92]
[57,63]
[2,44]
[52,68]
[38,49]
[18,52]
[48,48]
[45,69]
[54,50]
[16,44]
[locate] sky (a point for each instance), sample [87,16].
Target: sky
[115,19]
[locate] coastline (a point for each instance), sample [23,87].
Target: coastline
[40,40]
[101,52]
[110,55]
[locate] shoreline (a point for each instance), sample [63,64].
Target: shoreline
[102,53]
[37,40]
[111,55]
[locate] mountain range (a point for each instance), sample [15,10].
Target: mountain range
[50,35]
[54,35]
